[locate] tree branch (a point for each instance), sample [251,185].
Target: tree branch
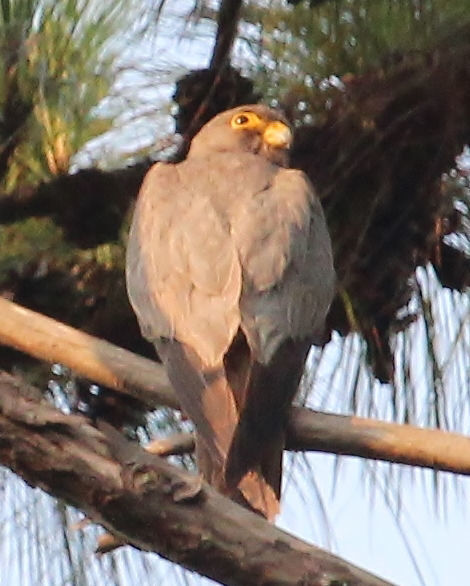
[98,360]
[378,440]
[153,505]
[173,445]
[227,25]
[146,380]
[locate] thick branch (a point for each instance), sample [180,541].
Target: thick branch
[308,430]
[87,220]
[98,360]
[153,505]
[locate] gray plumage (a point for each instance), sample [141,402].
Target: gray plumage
[230,273]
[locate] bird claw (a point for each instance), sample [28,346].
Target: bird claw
[187,489]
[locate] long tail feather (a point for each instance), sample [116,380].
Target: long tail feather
[239,424]
[258,441]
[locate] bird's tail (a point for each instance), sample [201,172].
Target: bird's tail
[258,442]
[239,420]
[213,405]
[253,491]
[260,485]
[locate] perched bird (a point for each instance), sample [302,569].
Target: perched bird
[230,273]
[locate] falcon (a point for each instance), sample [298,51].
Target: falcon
[230,273]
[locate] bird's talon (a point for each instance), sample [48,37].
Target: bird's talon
[186,490]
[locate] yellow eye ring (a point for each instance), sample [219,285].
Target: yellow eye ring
[246,120]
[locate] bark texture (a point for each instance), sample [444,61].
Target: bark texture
[153,505]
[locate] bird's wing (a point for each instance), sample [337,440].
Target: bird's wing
[183,273]
[288,285]
[285,252]
[184,282]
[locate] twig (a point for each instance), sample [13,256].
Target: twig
[174,445]
[227,26]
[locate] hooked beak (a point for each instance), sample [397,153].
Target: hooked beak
[277,135]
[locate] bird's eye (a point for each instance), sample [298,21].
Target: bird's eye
[240,120]
[246,120]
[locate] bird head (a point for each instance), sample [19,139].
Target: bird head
[252,128]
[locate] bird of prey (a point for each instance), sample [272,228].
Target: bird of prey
[230,274]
